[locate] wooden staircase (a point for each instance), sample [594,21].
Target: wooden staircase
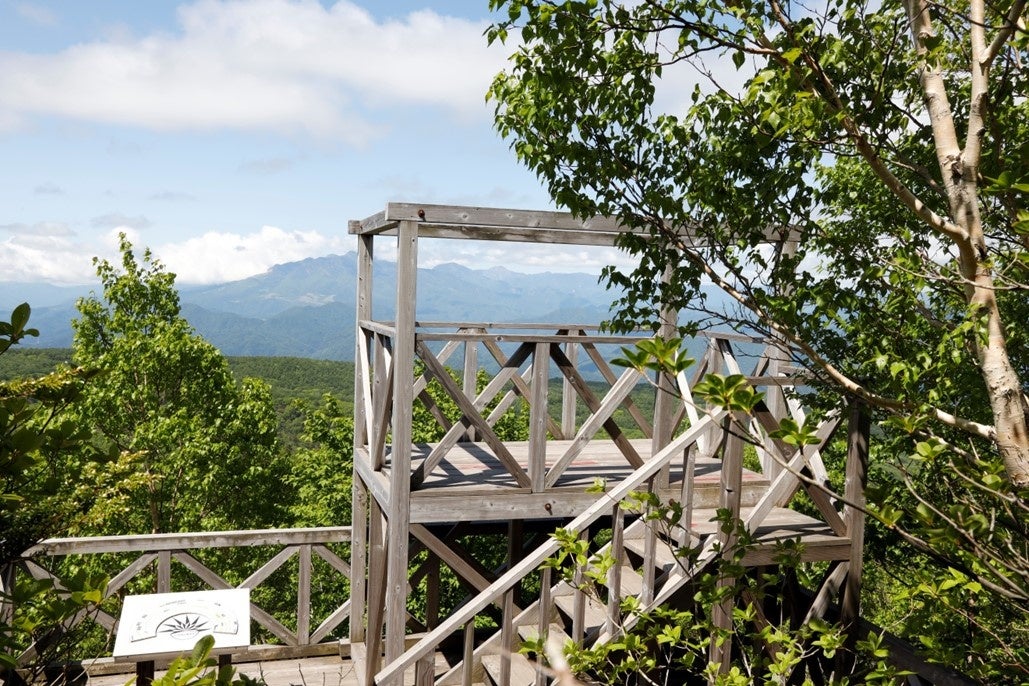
[646,564]
[590,619]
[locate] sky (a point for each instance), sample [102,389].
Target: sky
[231,135]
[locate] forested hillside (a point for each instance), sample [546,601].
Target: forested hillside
[289,377]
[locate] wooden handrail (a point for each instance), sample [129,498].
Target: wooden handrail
[140,543]
[162,549]
[603,505]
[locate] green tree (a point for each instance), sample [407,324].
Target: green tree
[35,433]
[193,450]
[883,149]
[919,102]
[322,466]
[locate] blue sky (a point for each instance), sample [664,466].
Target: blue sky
[231,135]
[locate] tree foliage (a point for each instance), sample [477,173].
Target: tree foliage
[35,434]
[853,176]
[893,227]
[189,448]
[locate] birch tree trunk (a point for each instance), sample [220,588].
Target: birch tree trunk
[959,169]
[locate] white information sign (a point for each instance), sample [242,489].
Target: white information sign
[162,623]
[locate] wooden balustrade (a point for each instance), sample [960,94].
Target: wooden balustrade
[131,557]
[521,358]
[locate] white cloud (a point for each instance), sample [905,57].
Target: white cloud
[216,257]
[280,65]
[46,257]
[173,196]
[33,254]
[528,258]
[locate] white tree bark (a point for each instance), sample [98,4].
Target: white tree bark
[959,169]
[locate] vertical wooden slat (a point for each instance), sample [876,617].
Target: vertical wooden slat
[377,561]
[543,621]
[432,592]
[164,571]
[400,473]
[7,594]
[568,396]
[364,405]
[382,394]
[425,670]
[775,399]
[578,603]
[649,561]
[304,596]
[858,431]
[468,653]
[468,378]
[507,638]
[538,414]
[729,499]
[614,574]
[689,471]
[364,311]
[777,358]
[358,559]
[664,405]
[515,550]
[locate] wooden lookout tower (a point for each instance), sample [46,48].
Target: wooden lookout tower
[413,502]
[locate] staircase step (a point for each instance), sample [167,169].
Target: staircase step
[631,583]
[664,557]
[523,672]
[594,615]
[529,632]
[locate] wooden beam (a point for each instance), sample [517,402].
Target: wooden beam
[601,414]
[496,217]
[539,412]
[54,547]
[400,457]
[509,370]
[470,415]
[858,431]
[358,559]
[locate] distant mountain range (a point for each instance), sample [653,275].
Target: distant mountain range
[307,308]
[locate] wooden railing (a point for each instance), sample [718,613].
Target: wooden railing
[173,563]
[834,535]
[521,359]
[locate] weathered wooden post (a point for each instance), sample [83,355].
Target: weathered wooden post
[858,431]
[399,514]
[729,499]
[359,507]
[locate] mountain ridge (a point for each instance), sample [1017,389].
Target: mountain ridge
[307,308]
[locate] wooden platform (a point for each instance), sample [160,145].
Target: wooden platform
[326,670]
[471,484]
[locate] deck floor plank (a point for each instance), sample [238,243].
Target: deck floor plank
[326,670]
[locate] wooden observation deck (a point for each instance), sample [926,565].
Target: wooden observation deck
[421,498]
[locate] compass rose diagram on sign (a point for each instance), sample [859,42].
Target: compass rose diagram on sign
[185,620]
